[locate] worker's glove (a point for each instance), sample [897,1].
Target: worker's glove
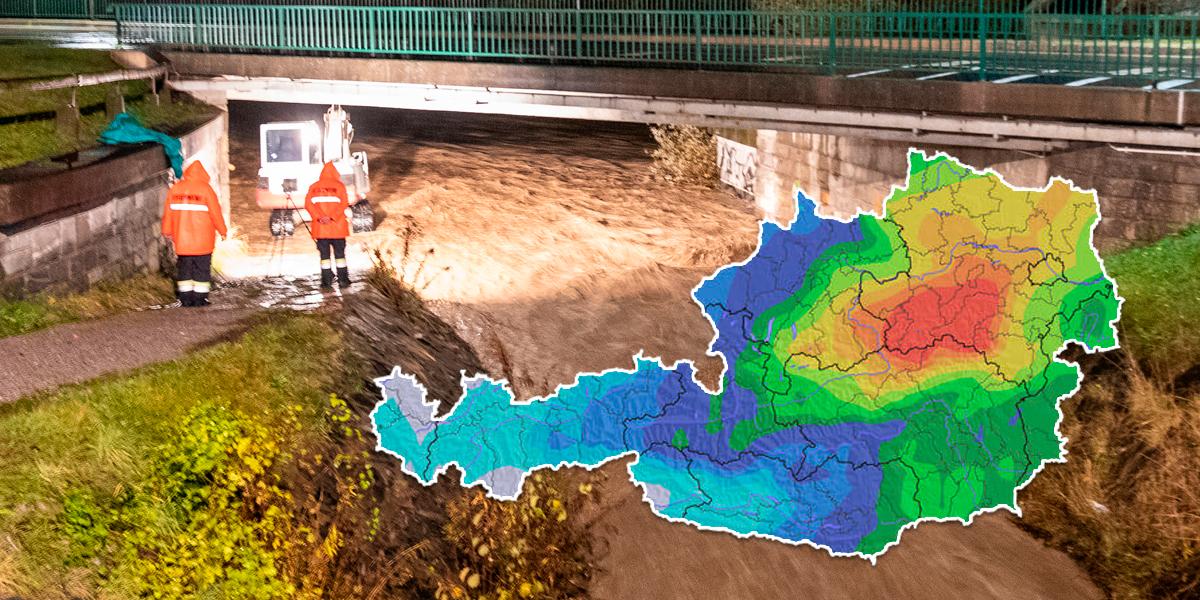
[325,220]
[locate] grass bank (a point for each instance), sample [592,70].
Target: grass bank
[1126,503]
[241,473]
[168,481]
[106,298]
[22,142]
[31,60]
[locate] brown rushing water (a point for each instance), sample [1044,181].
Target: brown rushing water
[555,253]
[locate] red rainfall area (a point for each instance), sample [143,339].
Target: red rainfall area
[957,318]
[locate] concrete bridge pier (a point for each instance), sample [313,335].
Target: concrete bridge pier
[1143,196]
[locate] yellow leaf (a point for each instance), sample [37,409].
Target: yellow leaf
[526,590]
[473,580]
[483,550]
[463,573]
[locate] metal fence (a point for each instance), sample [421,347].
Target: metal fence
[56,9]
[99,9]
[991,44]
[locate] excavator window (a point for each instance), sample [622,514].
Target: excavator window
[284,145]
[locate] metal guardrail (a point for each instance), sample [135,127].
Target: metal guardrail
[1087,45]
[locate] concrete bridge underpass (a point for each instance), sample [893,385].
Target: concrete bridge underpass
[843,140]
[1025,117]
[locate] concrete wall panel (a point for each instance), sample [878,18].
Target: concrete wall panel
[1143,197]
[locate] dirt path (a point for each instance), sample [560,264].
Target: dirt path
[78,352]
[551,251]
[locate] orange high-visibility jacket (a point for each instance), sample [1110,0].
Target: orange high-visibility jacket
[193,213]
[327,198]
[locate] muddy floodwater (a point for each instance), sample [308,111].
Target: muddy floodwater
[552,251]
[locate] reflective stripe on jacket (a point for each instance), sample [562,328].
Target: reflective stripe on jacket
[192,215]
[327,198]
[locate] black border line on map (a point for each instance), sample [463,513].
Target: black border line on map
[466,381]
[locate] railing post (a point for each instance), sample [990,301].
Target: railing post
[983,25]
[832,44]
[195,26]
[1157,42]
[372,31]
[696,24]
[578,31]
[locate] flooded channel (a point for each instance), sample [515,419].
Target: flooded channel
[551,249]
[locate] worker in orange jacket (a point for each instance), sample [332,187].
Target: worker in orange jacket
[326,204]
[191,220]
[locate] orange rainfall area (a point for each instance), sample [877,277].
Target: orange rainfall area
[550,249]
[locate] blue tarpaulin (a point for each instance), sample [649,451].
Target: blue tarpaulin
[126,130]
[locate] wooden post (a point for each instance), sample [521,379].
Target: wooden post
[66,122]
[114,104]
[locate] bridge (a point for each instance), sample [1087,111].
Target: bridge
[1003,82]
[898,75]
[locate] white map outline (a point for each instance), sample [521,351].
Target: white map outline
[467,382]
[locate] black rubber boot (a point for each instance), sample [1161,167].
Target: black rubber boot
[200,299]
[343,277]
[185,298]
[327,279]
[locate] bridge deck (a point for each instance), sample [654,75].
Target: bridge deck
[1032,117]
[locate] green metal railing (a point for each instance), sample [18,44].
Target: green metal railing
[992,44]
[98,9]
[56,9]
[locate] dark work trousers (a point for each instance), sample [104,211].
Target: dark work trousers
[338,245]
[195,279]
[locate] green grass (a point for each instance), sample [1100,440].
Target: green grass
[105,298]
[1126,504]
[31,60]
[24,142]
[1160,319]
[100,441]
[19,102]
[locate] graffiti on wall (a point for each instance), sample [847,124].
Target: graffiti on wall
[737,163]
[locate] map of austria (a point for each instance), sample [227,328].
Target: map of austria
[879,371]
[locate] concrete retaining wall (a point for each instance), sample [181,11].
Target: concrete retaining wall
[1143,197]
[115,238]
